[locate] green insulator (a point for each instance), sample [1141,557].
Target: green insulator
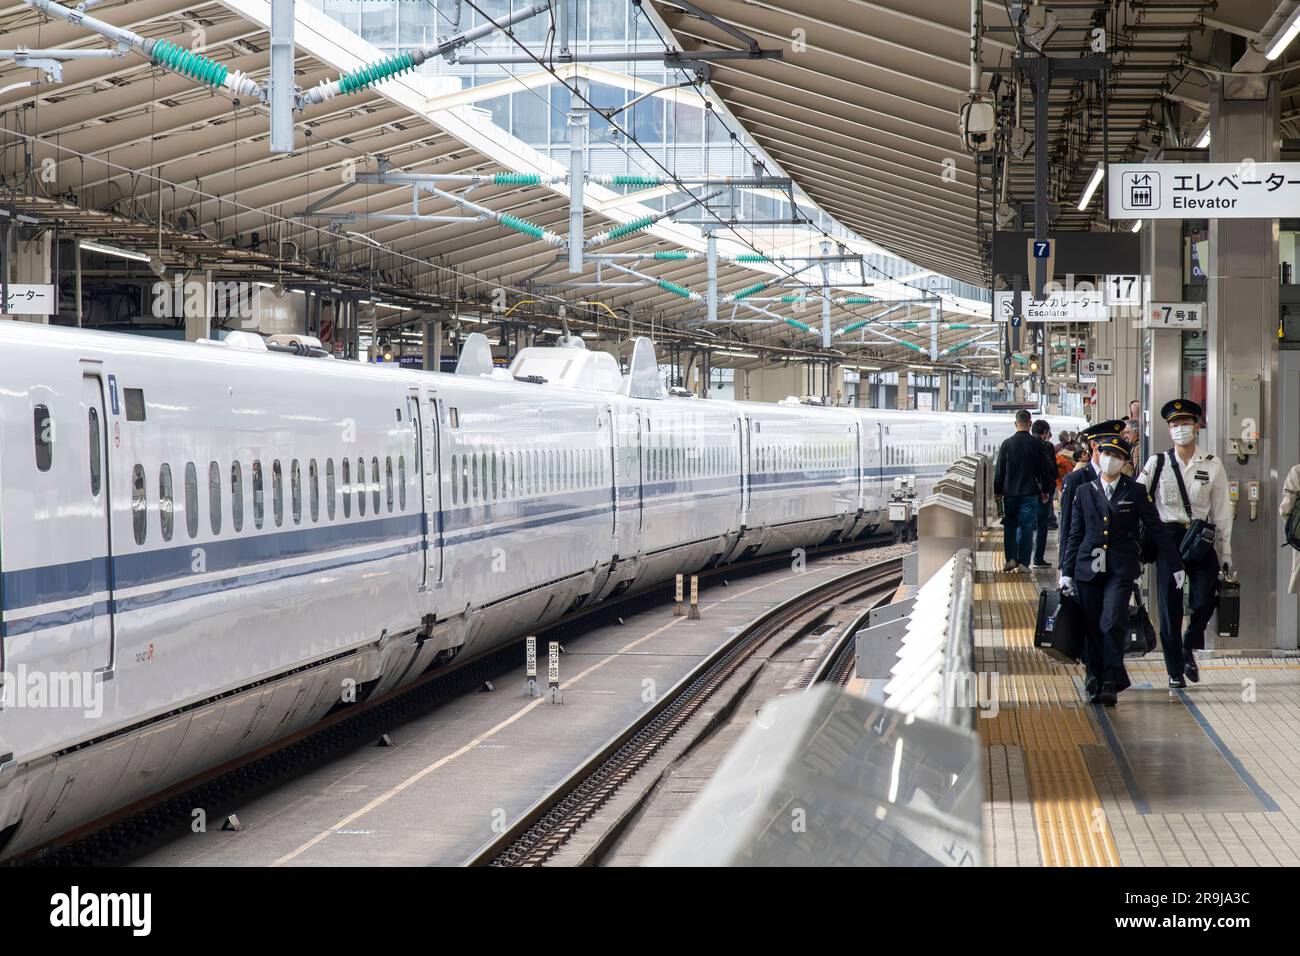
[908,325]
[794,298]
[858,300]
[911,345]
[799,325]
[855,326]
[674,288]
[373,73]
[520,225]
[671,254]
[751,257]
[187,63]
[637,181]
[636,225]
[754,289]
[959,325]
[517,179]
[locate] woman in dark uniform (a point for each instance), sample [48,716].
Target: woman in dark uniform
[1102,561]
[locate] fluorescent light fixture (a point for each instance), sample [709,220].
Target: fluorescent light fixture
[737,354]
[1137,226]
[1093,183]
[1282,39]
[113,251]
[1204,141]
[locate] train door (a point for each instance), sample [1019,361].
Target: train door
[607,422]
[859,464]
[424,417]
[640,473]
[744,471]
[626,452]
[101,609]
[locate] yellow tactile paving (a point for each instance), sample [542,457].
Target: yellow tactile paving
[1040,712]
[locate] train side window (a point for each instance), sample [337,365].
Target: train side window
[454,417]
[139,505]
[237,496]
[259,500]
[277,492]
[494,493]
[464,479]
[401,482]
[166,515]
[474,460]
[347,488]
[214,497]
[360,486]
[191,500]
[374,483]
[295,491]
[313,490]
[388,483]
[43,429]
[96,462]
[330,489]
[455,481]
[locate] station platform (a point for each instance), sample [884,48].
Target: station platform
[1208,776]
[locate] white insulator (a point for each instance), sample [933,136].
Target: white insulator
[239,83]
[325,91]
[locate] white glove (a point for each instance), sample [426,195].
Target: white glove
[1179,578]
[1066,584]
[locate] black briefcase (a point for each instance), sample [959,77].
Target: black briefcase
[1229,612]
[1139,636]
[1060,629]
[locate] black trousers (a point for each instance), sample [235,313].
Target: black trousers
[1105,601]
[1202,596]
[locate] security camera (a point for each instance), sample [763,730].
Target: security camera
[976,122]
[1039,26]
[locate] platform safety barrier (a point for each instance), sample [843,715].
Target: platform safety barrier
[829,778]
[953,516]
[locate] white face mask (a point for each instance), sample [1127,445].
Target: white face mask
[1111,466]
[1182,434]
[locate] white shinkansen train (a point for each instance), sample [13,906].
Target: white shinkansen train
[208,547]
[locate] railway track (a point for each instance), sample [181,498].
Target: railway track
[550,823]
[836,665]
[135,829]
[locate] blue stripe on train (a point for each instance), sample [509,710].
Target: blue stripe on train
[34,586]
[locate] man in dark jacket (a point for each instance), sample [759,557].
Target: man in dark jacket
[1024,475]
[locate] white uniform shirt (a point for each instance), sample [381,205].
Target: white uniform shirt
[1207,490]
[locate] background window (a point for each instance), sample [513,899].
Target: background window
[361,487]
[313,492]
[277,492]
[96,450]
[191,500]
[388,482]
[166,515]
[139,505]
[237,496]
[374,485]
[329,488]
[347,488]
[401,482]
[295,491]
[43,430]
[259,500]
[214,497]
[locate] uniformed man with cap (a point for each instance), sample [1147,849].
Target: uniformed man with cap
[1186,485]
[1102,561]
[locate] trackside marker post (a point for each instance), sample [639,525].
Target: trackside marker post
[530,665]
[694,614]
[555,696]
[679,608]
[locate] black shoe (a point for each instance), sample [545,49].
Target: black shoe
[1177,683]
[1108,694]
[1191,670]
[1041,564]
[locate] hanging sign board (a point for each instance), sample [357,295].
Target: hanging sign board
[1174,315]
[1245,190]
[1071,306]
[29,300]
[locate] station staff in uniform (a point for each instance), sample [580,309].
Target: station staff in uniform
[1206,482]
[1103,561]
[1092,436]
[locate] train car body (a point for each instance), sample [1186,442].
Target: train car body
[205,548]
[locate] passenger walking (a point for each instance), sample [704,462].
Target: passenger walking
[1132,434]
[1290,492]
[1045,519]
[1102,563]
[1088,470]
[1190,490]
[1020,479]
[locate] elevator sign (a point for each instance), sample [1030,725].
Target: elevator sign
[1245,190]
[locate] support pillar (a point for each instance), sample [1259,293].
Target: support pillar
[1243,347]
